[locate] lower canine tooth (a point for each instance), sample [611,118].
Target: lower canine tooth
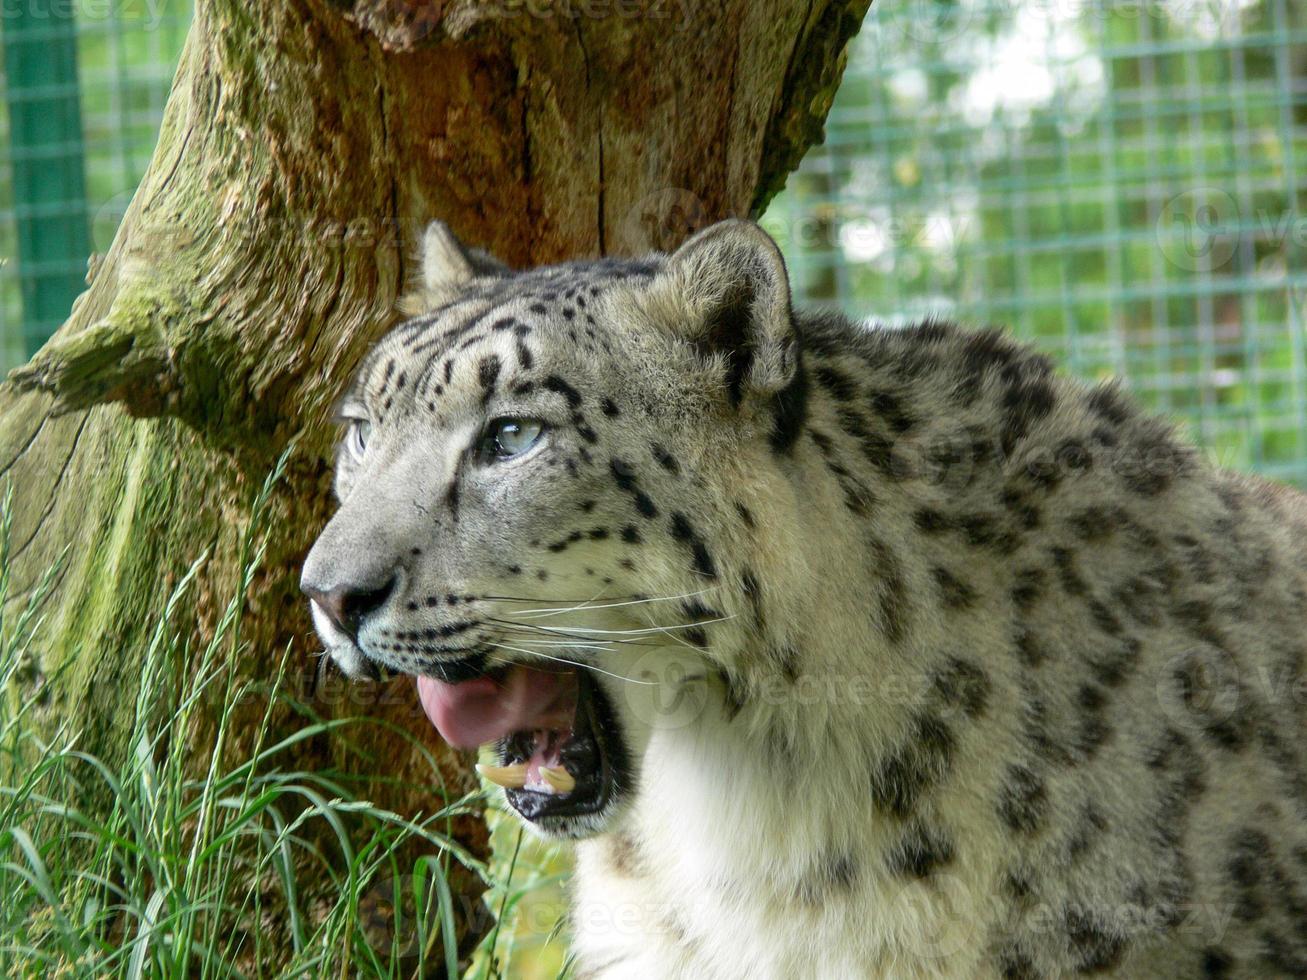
[509,777]
[559,778]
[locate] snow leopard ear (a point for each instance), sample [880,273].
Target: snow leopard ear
[447,266]
[726,292]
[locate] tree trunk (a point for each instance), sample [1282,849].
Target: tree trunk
[304,145]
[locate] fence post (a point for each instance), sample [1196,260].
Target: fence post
[48,160]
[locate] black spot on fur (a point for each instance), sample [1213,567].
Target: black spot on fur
[1096,523]
[1025,403]
[624,475]
[891,409]
[985,351]
[1104,618]
[1092,733]
[557,385]
[684,532]
[962,684]
[732,690]
[1091,698]
[1016,885]
[921,851]
[916,766]
[696,611]
[1029,649]
[630,534]
[834,877]
[1021,507]
[666,460]
[745,515]
[875,446]
[609,408]
[1023,800]
[487,376]
[839,384]
[1106,402]
[979,530]
[787,660]
[1027,587]
[790,409]
[1015,964]
[1117,661]
[953,592]
[1153,463]
[931,521]
[1096,944]
[624,855]
[1089,828]
[1217,963]
[1065,563]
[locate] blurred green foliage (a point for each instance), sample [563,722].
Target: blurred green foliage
[1123,183]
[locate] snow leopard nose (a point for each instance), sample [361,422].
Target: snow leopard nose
[348,605]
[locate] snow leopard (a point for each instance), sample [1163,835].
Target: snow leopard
[839,650]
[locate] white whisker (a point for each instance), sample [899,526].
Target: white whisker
[571,663]
[646,630]
[591,604]
[528,629]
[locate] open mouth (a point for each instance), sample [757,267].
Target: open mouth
[554,731]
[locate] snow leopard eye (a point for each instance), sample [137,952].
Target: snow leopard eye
[360,430]
[508,437]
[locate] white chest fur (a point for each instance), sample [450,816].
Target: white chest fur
[728,872]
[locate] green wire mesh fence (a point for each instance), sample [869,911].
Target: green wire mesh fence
[1123,181]
[85,83]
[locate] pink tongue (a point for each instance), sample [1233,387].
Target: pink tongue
[483,710]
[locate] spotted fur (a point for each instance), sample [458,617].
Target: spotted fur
[930,661]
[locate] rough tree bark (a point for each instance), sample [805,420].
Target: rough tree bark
[304,144]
